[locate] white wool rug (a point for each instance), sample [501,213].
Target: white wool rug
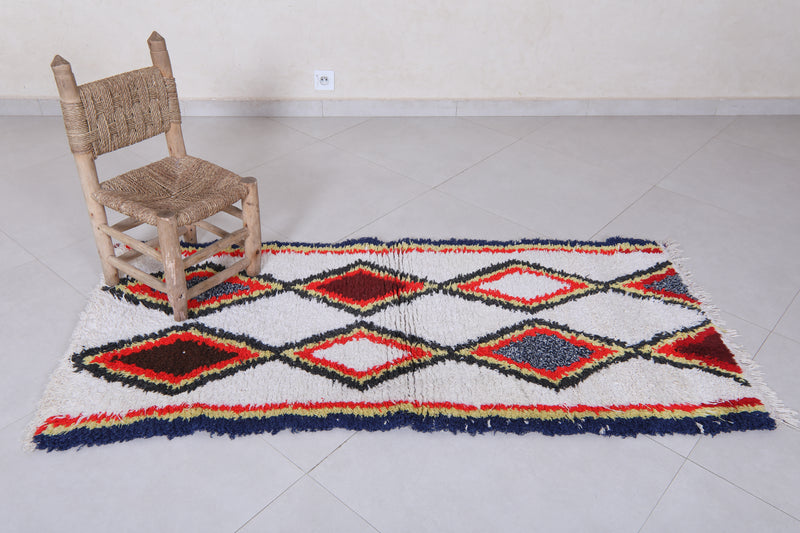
[555,337]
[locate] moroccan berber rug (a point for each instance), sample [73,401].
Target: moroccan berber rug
[538,336]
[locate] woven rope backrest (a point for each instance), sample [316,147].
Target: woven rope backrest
[121,110]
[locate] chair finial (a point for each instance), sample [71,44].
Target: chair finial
[59,61]
[156,42]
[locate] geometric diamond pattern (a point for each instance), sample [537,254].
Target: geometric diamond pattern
[174,360]
[627,318]
[362,288]
[565,343]
[660,281]
[447,319]
[236,290]
[700,347]
[438,335]
[361,355]
[545,353]
[517,285]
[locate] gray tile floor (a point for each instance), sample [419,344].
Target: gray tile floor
[726,189]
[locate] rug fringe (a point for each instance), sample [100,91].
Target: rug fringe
[752,370]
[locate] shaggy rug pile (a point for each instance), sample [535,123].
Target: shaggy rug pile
[553,337]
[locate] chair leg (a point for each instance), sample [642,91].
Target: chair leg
[105,247]
[174,275]
[190,237]
[252,221]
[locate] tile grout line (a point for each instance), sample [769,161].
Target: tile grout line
[783,158]
[759,326]
[323,487]
[741,488]
[780,318]
[56,274]
[436,188]
[430,187]
[371,162]
[663,493]
[541,126]
[328,490]
[273,500]
[345,441]
[751,147]
[717,138]
[21,246]
[699,201]
[488,212]
[386,214]
[694,153]
[275,449]
[625,210]
[20,419]
[277,157]
[252,166]
[665,176]
[350,235]
[595,164]
[298,480]
[516,140]
[348,128]
[362,158]
[476,163]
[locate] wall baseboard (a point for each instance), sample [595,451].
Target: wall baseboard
[450,108]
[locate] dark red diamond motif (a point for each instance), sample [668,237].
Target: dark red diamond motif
[173,361]
[362,287]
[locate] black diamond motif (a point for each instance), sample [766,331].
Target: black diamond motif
[670,284]
[546,352]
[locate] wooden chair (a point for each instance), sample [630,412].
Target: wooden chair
[174,194]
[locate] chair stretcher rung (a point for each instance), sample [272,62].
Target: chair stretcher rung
[127,224]
[152,243]
[132,242]
[144,277]
[222,244]
[211,228]
[217,278]
[235,211]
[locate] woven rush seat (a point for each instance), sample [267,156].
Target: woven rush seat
[192,188]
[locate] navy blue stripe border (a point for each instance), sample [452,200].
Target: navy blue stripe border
[629,427]
[611,241]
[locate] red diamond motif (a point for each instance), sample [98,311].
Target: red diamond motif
[362,287]
[521,285]
[361,356]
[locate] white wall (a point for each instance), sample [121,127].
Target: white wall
[395,49]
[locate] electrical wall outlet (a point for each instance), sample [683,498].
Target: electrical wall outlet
[323,80]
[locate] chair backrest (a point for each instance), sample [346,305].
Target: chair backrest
[122,110]
[108,114]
